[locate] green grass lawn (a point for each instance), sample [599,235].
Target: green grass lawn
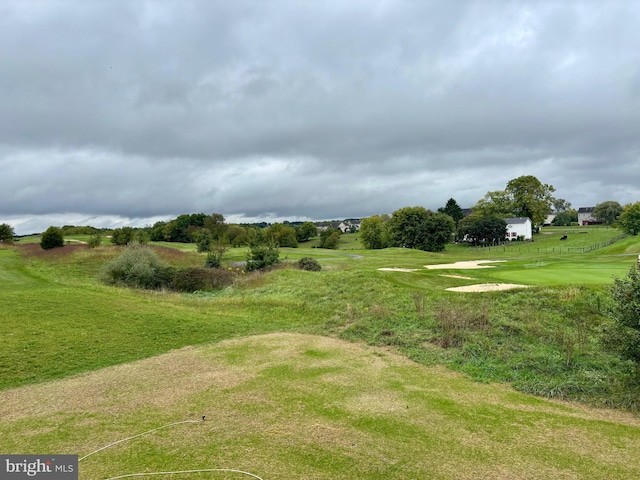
[303,406]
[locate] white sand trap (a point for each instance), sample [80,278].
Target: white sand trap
[463,265]
[398,269]
[486,287]
[456,276]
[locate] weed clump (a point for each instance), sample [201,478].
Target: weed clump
[309,264]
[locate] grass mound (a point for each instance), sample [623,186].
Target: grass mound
[303,406]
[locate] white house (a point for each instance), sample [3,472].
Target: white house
[518,227]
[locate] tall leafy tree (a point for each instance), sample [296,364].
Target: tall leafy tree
[607,211]
[6,233]
[237,235]
[480,228]
[629,219]
[330,238]
[561,205]
[215,223]
[530,198]
[306,231]
[405,226]
[498,202]
[417,227]
[157,231]
[435,232]
[566,218]
[372,232]
[122,236]
[52,238]
[452,209]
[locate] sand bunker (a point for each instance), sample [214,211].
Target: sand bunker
[463,265]
[486,287]
[398,269]
[456,276]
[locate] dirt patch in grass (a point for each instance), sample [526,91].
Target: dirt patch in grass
[468,265]
[487,287]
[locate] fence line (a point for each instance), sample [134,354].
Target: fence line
[503,246]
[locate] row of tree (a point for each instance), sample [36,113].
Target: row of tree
[206,230]
[410,227]
[525,196]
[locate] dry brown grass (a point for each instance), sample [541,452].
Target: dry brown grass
[290,405]
[36,251]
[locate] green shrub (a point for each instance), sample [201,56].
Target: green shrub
[310,264]
[52,238]
[212,260]
[137,267]
[95,240]
[6,233]
[260,257]
[623,335]
[196,278]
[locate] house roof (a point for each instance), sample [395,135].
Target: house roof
[586,209]
[516,220]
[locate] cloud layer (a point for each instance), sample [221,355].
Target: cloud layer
[123,112]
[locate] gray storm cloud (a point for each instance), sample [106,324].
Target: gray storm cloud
[125,111]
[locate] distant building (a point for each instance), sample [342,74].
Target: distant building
[518,227]
[585,216]
[547,221]
[346,226]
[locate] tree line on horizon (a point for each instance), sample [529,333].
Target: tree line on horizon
[412,227]
[525,196]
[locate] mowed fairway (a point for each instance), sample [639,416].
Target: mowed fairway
[285,406]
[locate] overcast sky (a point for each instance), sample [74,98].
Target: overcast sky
[127,112]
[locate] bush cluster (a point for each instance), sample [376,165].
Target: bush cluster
[52,238]
[138,266]
[309,264]
[262,256]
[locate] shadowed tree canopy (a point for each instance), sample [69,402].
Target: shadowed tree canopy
[524,196]
[607,211]
[630,219]
[306,231]
[372,233]
[480,228]
[417,227]
[624,335]
[453,210]
[6,233]
[52,238]
[531,198]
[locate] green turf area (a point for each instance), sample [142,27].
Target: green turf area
[58,321]
[300,406]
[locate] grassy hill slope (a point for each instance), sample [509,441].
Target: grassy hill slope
[284,406]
